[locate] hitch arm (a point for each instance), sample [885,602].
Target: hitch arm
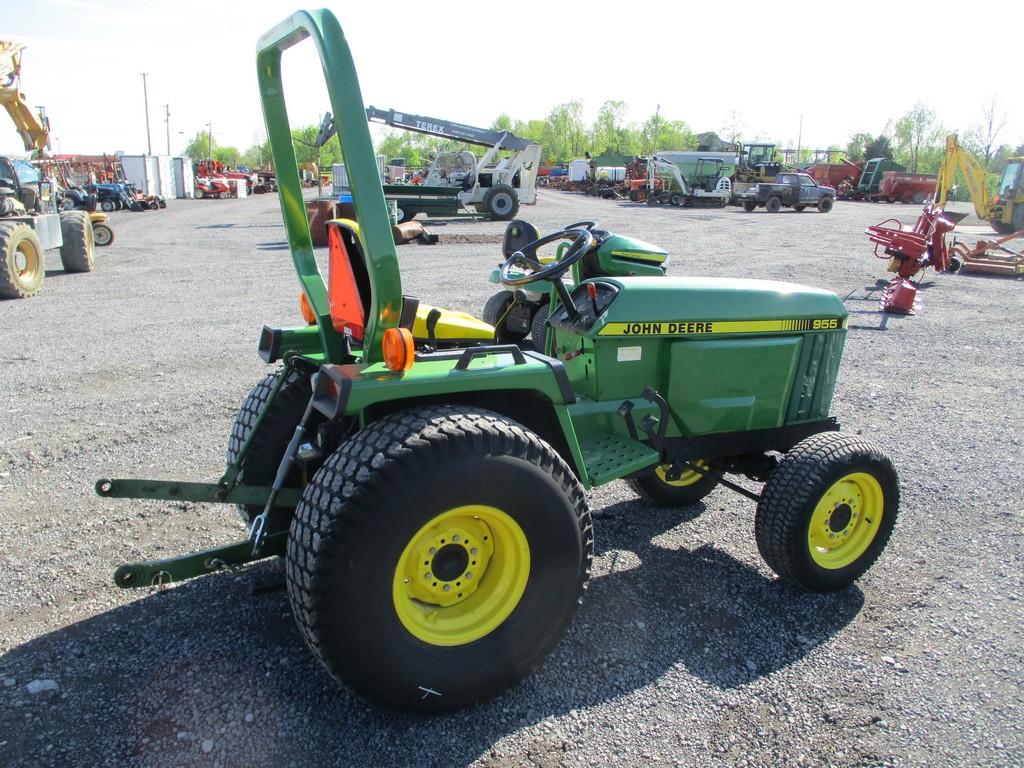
[154,573]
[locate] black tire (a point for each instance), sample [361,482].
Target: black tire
[773,204]
[825,204]
[404,214]
[918,198]
[1003,228]
[261,461]
[23,265]
[368,508]
[161,204]
[635,196]
[108,206]
[102,235]
[539,327]
[77,254]
[657,490]
[199,195]
[495,311]
[501,202]
[749,207]
[1018,217]
[821,466]
[799,208]
[677,199]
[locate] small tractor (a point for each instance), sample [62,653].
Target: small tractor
[664,183]
[1004,210]
[426,483]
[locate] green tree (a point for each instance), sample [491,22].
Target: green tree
[671,135]
[878,147]
[855,147]
[257,156]
[734,127]
[611,136]
[915,131]
[227,155]
[565,132]
[198,147]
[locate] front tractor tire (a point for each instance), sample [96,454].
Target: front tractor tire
[437,556]
[259,466]
[689,488]
[77,254]
[501,202]
[24,265]
[827,511]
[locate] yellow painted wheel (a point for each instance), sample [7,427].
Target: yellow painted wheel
[687,478]
[22,264]
[827,511]
[689,488]
[461,575]
[846,520]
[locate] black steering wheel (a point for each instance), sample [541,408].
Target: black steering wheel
[582,241]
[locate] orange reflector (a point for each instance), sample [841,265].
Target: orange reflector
[399,349]
[307,311]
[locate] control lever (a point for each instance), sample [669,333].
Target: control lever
[592,293]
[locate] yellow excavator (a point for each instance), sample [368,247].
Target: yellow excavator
[1004,210]
[32,128]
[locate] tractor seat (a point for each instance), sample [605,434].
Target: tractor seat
[349,298]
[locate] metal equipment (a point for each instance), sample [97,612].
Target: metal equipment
[1004,210]
[665,184]
[990,257]
[426,485]
[910,252]
[491,184]
[31,221]
[870,182]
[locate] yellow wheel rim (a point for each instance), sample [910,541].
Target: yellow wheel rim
[689,477]
[461,575]
[26,261]
[846,520]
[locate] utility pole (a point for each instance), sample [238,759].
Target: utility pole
[209,128]
[657,112]
[167,121]
[799,137]
[145,97]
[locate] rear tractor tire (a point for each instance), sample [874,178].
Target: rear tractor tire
[827,511]
[259,467]
[689,488]
[77,254]
[24,265]
[438,556]
[773,204]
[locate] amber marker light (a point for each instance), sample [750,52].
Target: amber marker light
[399,350]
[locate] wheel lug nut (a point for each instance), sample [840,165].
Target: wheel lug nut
[469,574]
[473,551]
[455,538]
[427,575]
[447,587]
[433,550]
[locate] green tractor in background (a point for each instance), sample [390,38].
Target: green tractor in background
[426,483]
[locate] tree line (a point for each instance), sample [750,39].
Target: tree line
[916,140]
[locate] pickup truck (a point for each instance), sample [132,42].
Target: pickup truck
[796,190]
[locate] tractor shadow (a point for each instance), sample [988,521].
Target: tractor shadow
[156,677]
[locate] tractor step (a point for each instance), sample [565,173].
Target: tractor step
[613,456]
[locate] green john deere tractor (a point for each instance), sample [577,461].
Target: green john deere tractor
[426,484]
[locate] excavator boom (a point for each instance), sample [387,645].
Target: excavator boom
[34,132]
[957,157]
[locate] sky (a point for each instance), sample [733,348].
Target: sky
[838,65]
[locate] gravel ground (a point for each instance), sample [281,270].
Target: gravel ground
[687,650]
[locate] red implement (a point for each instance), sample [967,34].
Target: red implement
[910,252]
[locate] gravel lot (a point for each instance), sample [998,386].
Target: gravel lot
[687,651]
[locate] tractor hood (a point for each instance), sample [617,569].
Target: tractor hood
[673,305]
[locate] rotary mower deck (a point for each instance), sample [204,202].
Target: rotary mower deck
[426,483]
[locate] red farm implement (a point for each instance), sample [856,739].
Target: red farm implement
[990,257]
[910,251]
